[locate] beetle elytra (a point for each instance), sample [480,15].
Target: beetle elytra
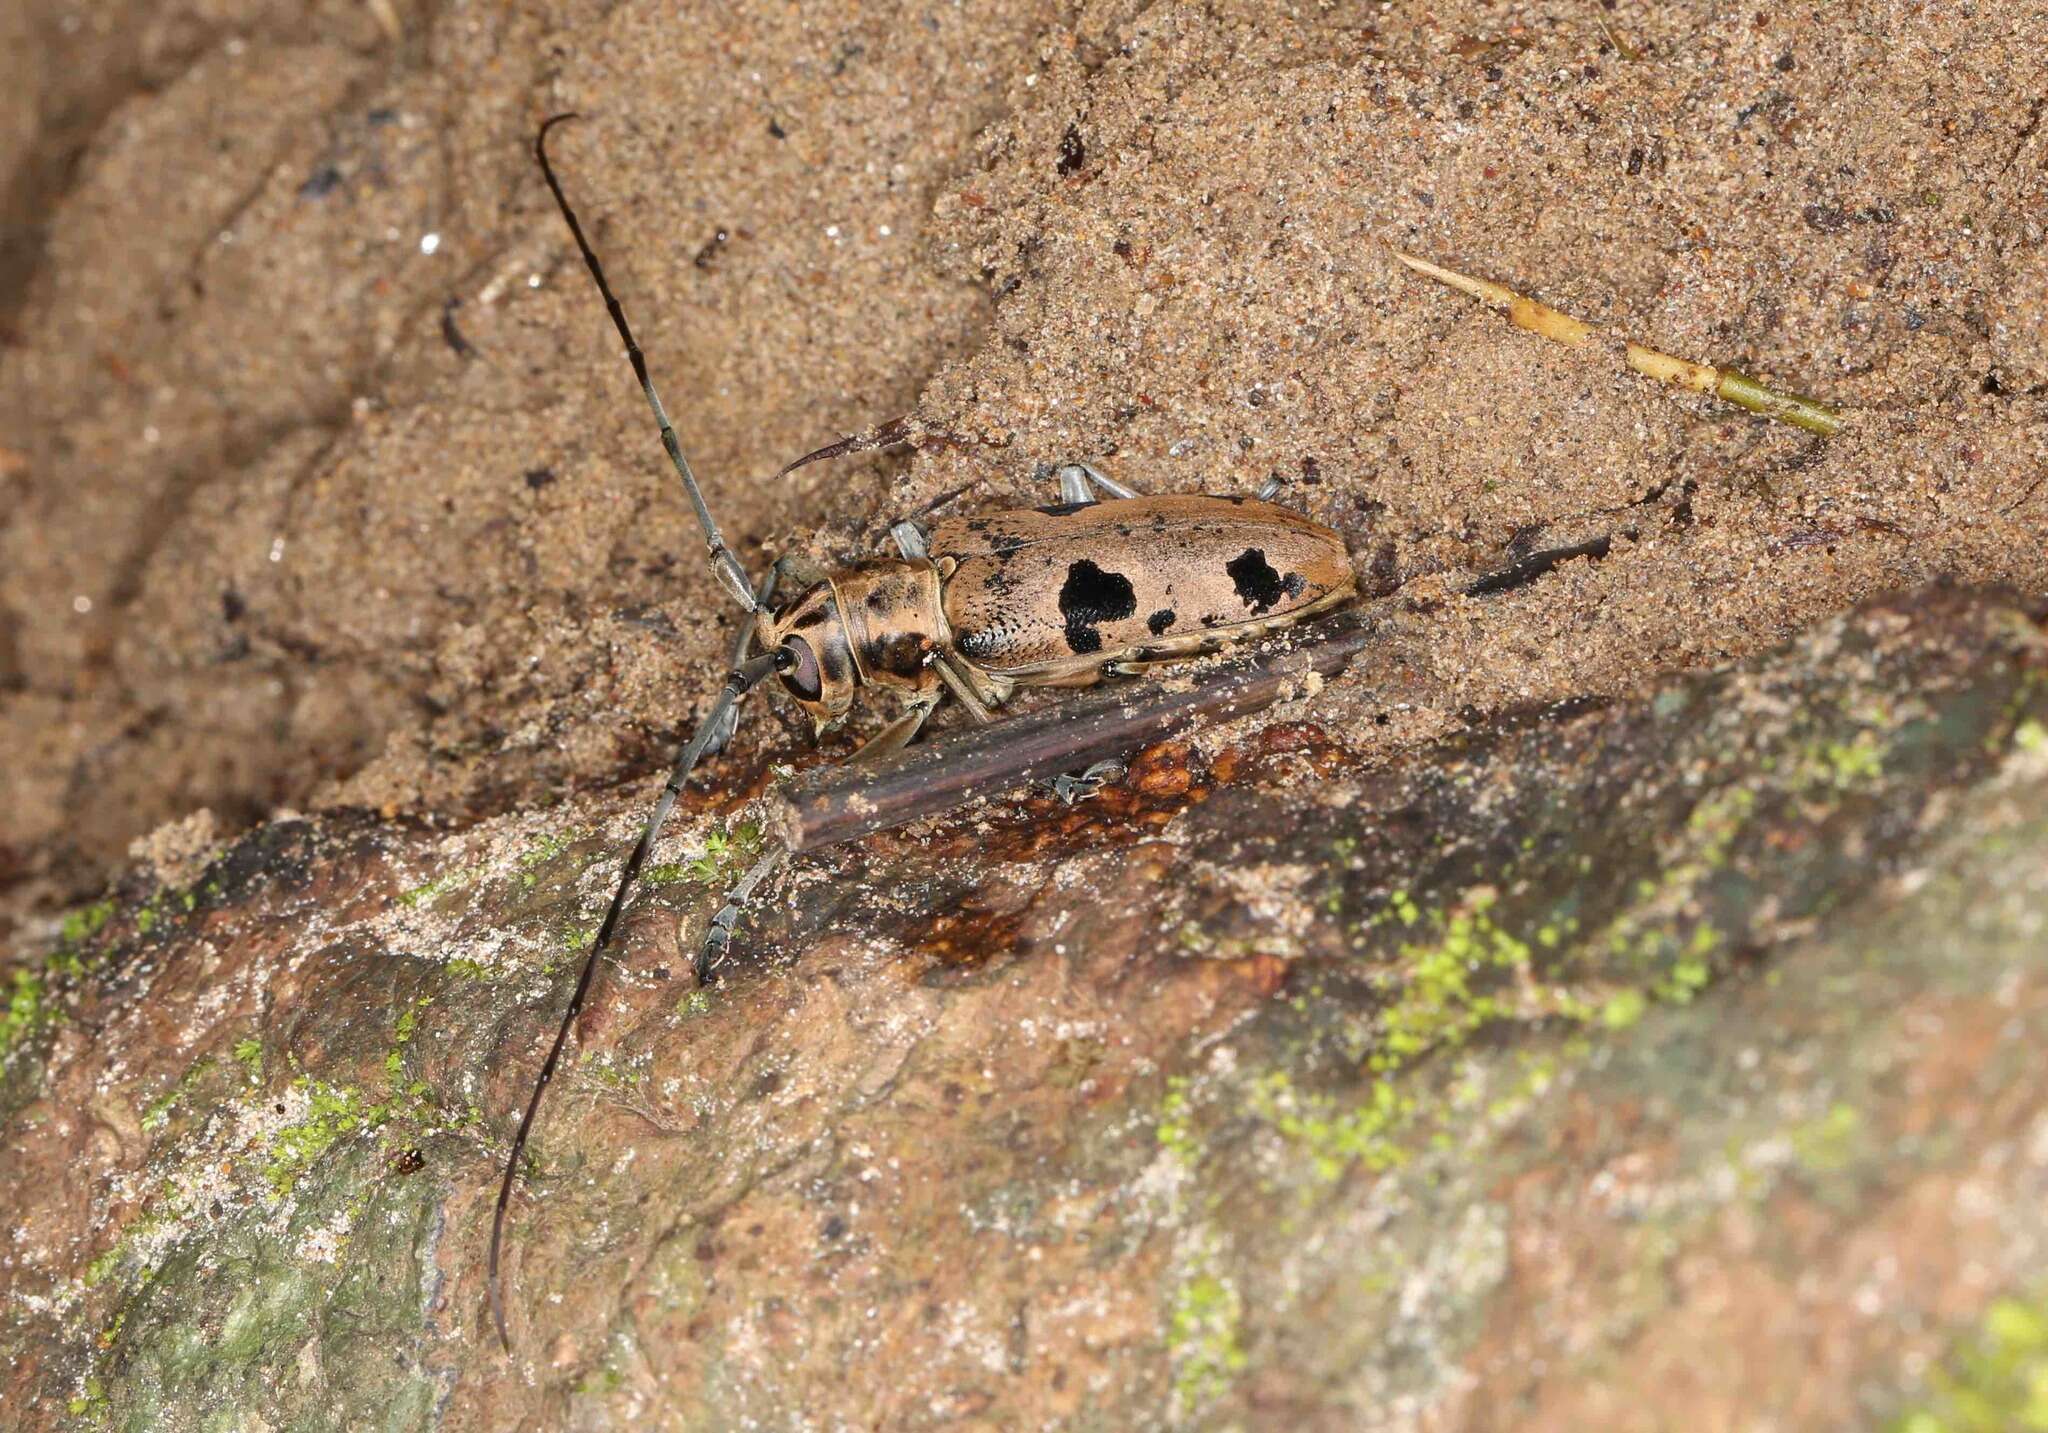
[1104,582]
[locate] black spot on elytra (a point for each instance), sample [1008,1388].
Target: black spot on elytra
[1159,621]
[877,602]
[982,643]
[1091,597]
[1257,583]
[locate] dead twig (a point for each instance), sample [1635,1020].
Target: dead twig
[1723,383]
[836,804]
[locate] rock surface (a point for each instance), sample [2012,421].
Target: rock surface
[1672,1062]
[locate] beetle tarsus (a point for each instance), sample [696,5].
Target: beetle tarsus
[1072,787]
[711,954]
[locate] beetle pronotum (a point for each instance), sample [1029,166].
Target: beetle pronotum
[1104,582]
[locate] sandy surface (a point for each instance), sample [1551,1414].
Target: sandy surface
[323,480]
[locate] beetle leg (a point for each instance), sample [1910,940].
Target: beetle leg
[1080,482]
[722,731]
[1083,482]
[970,700]
[718,935]
[898,733]
[909,539]
[1071,787]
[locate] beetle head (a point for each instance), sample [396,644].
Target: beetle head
[822,676]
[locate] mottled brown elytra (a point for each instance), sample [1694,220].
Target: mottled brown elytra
[1104,582]
[1053,596]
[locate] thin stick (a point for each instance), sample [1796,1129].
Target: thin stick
[722,561]
[742,680]
[1724,383]
[840,804]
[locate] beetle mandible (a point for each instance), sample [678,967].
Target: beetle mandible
[1105,582]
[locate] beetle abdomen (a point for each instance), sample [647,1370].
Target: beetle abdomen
[1049,592]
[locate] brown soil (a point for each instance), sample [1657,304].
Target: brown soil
[299,512]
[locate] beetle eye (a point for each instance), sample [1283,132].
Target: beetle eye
[802,680]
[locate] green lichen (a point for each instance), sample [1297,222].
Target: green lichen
[1658,944]
[248,1054]
[401,1036]
[1174,1131]
[1692,970]
[71,958]
[1404,908]
[84,923]
[604,1072]
[428,892]
[720,847]
[1995,1382]
[1844,765]
[158,1112]
[600,1382]
[1831,1143]
[1623,1009]
[220,1313]
[544,852]
[332,1113]
[161,1213]
[25,1013]
[1439,1003]
[1333,1135]
[105,1263]
[1202,1340]
[91,1402]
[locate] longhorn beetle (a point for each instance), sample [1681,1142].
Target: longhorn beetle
[1103,582]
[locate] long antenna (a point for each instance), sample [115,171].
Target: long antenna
[728,568]
[742,679]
